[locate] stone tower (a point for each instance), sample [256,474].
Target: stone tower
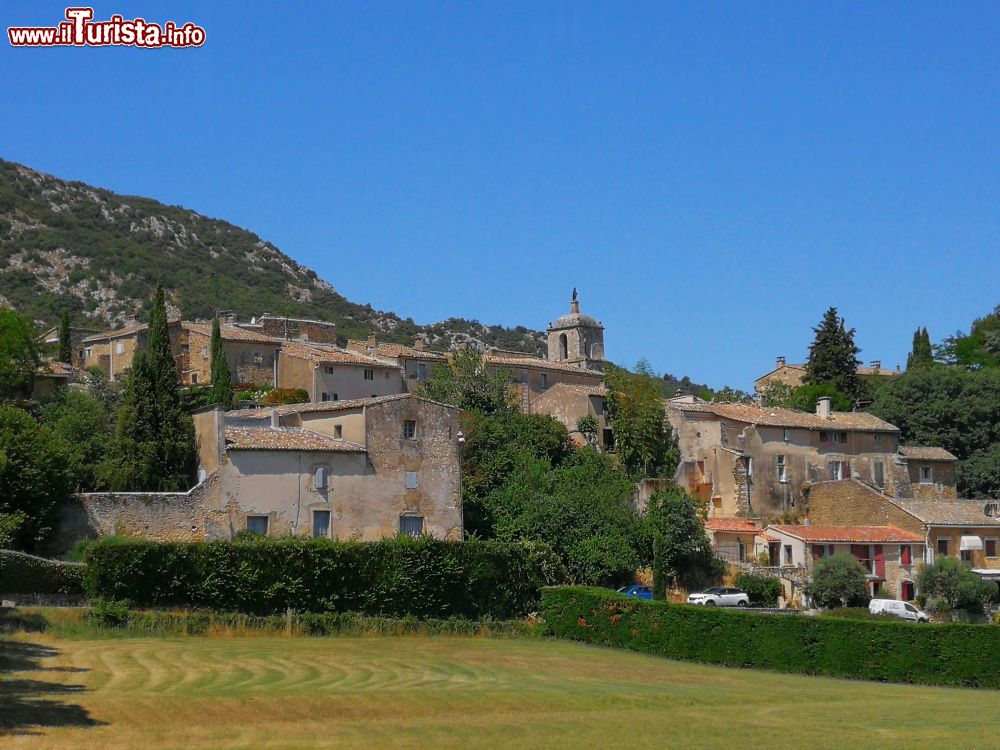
[577,339]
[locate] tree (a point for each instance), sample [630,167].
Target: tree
[838,581]
[154,446]
[588,427]
[222,383]
[948,584]
[833,356]
[762,589]
[34,479]
[65,342]
[18,355]
[466,382]
[804,397]
[979,474]
[643,439]
[683,551]
[922,354]
[84,426]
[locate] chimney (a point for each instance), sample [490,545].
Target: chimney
[372,341]
[823,407]
[420,342]
[876,364]
[897,367]
[275,418]
[781,362]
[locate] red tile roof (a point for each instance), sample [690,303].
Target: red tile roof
[332,355]
[926,453]
[230,333]
[734,525]
[399,350]
[516,363]
[778,417]
[286,439]
[860,534]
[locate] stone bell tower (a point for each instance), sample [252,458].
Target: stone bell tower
[577,339]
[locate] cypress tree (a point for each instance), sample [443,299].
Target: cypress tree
[222,383]
[65,345]
[922,354]
[833,356]
[154,448]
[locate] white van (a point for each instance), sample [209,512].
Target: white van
[902,610]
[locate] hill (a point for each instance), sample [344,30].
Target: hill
[102,254]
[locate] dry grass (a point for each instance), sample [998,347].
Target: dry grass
[430,692]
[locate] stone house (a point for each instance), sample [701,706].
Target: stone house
[113,351]
[794,374]
[570,403]
[890,555]
[735,540]
[931,470]
[291,329]
[49,378]
[415,362]
[49,342]
[743,460]
[329,373]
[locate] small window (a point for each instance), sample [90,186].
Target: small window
[194,378]
[328,369]
[878,474]
[88,352]
[878,438]
[749,467]
[990,547]
[421,372]
[409,429]
[782,470]
[336,397]
[788,554]
[926,475]
[338,431]
[325,397]
[545,380]
[411,525]
[258,358]
[119,347]
[204,352]
[838,469]
[942,546]
[369,373]
[185,348]
[386,374]
[321,524]
[966,555]
[257,525]
[410,480]
[786,434]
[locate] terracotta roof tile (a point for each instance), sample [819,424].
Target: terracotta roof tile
[948,512]
[332,355]
[401,350]
[516,363]
[323,406]
[778,417]
[859,534]
[230,333]
[926,453]
[286,439]
[735,525]
[53,369]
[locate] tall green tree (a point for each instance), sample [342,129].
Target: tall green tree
[466,382]
[65,342]
[922,354]
[643,439]
[838,581]
[86,428]
[154,447]
[222,382]
[682,551]
[18,355]
[833,356]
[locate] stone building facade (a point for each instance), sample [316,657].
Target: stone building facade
[931,471]
[292,329]
[785,373]
[577,339]
[570,403]
[329,373]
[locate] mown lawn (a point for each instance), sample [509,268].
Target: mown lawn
[430,692]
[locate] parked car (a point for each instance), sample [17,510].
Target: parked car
[639,592]
[717,596]
[902,610]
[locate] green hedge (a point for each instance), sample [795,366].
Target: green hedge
[21,573]
[392,578]
[967,655]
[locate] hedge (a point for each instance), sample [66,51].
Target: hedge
[21,573]
[951,654]
[401,577]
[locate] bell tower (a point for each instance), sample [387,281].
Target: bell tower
[577,339]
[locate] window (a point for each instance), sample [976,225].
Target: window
[878,474]
[410,480]
[338,431]
[990,547]
[204,352]
[788,554]
[386,374]
[321,524]
[942,546]
[862,553]
[545,380]
[782,470]
[185,348]
[258,358]
[524,377]
[839,469]
[421,372]
[563,346]
[409,429]
[257,525]
[905,554]
[119,347]
[328,369]
[749,467]
[609,440]
[907,590]
[325,397]
[833,437]
[878,438]
[926,475]
[336,397]
[88,352]
[194,378]
[411,525]
[966,555]
[369,373]
[818,551]
[786,434]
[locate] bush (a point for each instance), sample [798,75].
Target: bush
[21,573]
[279,396]
[948,584]
[838,581]
[763,590]
[393,578]
[108,614]
[953,654]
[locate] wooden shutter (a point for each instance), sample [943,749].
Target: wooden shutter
[905,554]
[879,561]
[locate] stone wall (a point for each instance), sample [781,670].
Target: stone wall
[851,503]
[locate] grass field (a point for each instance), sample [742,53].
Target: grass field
[430,692]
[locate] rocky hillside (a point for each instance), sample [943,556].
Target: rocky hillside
[103,254]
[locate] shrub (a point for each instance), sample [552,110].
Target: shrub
[948,584]
[108,614]
[763,590]
[838,581]
[279,396]
[952,654]
[21,573]
[393,578]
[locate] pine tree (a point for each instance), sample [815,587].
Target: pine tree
[222,383]
[154,447]
[65,345]
[922,354]
[833,356]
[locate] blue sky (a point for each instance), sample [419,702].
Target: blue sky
[711,176]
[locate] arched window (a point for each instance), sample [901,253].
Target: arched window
[563,346]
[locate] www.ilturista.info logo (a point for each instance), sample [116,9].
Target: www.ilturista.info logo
[79,30]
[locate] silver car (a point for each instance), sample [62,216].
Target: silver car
[717,596]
